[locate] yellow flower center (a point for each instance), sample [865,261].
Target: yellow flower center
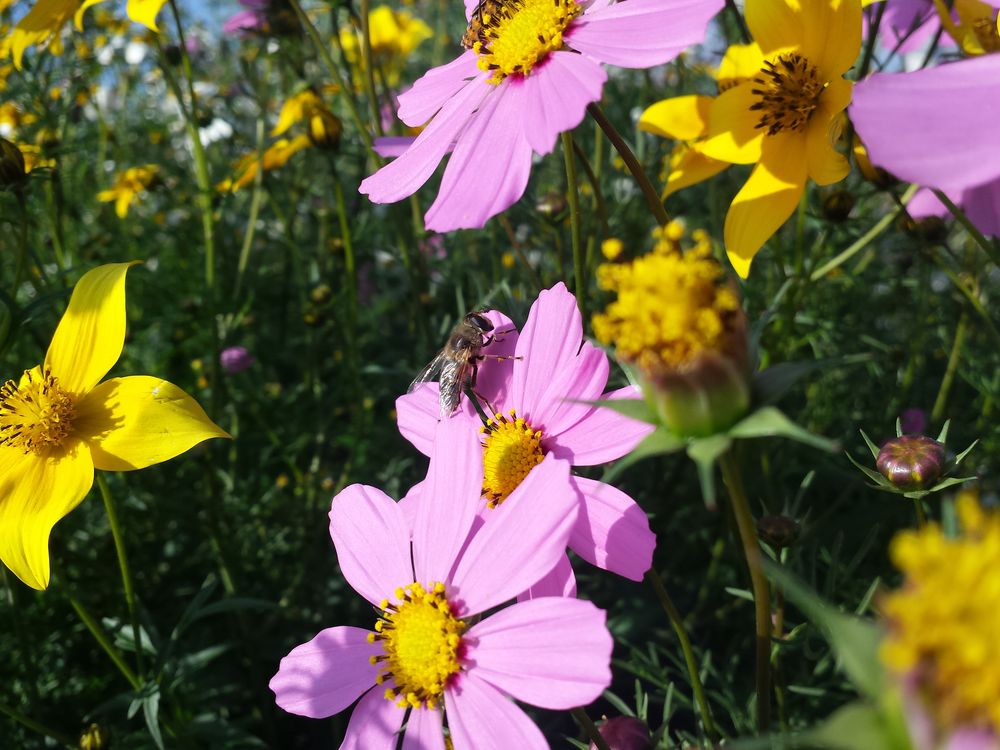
[671,307]
[511,449]
[36,416]
[788,91]
[422,640]
[987,33]
[944,621]
[512,36]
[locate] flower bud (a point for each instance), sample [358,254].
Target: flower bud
[778,531]
[913,421]
[12,172]
[94,737]
[911,462]
[625,733]
[837,205]
[325,129]
[236,359]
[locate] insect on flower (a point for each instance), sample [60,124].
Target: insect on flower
[458,361]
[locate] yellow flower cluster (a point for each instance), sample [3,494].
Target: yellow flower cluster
[945,620]
[671,305]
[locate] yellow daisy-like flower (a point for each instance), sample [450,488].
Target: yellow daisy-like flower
[322,126]
[944,621]
[785,119]
[46,19]
[394,35]
[275,157]
[128,186]
[978,28]
[59,423]
[685,119]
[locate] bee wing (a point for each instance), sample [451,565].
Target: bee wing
[430,371]
[454,377]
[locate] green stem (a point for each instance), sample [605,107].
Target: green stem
[334,71]
[937,412]
[105,643]
[573,196]
[590,728]
[369,70]
[988,247]
[255,202]
[918,505]
[36,726]
[116,533]
[740,21]
[648,191]
[866,61]
[692,666]
[761,592]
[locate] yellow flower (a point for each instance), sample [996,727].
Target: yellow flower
[12,118]
[786,119]
[275,157]
[394,35]
[978,27]
[128,185]
[944,621]
[47,18]
[59,423]
[33,158]
[685,119]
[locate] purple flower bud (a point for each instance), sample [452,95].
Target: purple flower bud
[911,462]
[236,359]
[625,733]
[913,421]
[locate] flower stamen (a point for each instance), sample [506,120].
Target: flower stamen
[37,415]
[789,89]
[422,640]
[512,36]
[511,449]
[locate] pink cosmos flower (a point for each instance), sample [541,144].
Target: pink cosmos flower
[528,75]
[535,399]
[425,659]
[938,128]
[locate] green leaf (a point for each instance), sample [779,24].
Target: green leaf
[856,726]
[871,446]
[943,435]
[949,482]
[873,475]
[656,443]
[961,456]
[769,422]
[151,712]
[853,639]
[705,452]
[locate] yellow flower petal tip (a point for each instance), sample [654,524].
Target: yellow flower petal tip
[145,12]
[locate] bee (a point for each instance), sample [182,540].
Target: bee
[456,365]
[480,19]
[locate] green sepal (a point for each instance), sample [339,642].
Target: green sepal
[705,452]
[657,443]
[769,421]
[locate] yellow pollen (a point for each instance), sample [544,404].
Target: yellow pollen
[511,449]
[944,621]
[788,91]
[671,307]
[37,415]
[422,640]
[512,36]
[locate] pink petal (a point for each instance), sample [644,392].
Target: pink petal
[405,175]
[489,168]
[372,541]
[556,97]
[449,500]
[391,146]
[924,203]
[520,542]
[548,345]
[482,718]
[641,33]
[560,581]
[326,675]
[417,416]
[982,205]
[583,379]
[424,730]
[612,531]
[408,504]
[374,724]
[935,127]
[435,87]
[602,435]
[552,652]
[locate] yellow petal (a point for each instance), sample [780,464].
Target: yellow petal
[767,199]
[689,168]
[105,196]
[145,11]
[134,422]
[733,135]
[776,23]
[826,165]
[35,493]
[45,18]
[682,118]
[78,18]
[122,202]
[91,334]
[832,38]
[740,62]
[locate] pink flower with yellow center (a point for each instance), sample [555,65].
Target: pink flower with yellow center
[538,414]
[529,71]
[428,656]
